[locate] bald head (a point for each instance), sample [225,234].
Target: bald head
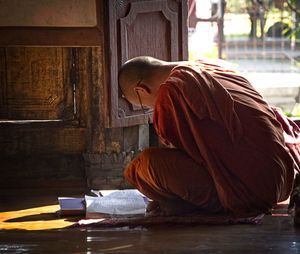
[142,75]
[137,69]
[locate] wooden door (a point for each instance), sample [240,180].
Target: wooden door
[42,116]
[156,28]
[34,86]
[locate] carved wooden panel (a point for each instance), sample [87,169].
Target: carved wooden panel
[36,84]
[156,28]
[35,90]
[33,85]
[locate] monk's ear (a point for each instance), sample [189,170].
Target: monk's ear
[141,87]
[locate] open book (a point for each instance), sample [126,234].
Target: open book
[120,202]
[70,206]
[106,202]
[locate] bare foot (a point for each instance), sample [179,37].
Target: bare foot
[169,208]
[153,208]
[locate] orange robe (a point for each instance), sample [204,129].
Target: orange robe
[223,125]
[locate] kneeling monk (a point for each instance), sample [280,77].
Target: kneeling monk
[225,150]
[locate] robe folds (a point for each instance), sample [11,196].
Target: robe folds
[225,130]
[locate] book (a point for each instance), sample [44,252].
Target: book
[71,206]
[128,202]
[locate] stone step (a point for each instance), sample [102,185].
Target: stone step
[279,89]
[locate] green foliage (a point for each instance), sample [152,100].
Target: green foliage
[294,6]
[295,111]
[288,114]
[236,6]
[294,2]
[241,6]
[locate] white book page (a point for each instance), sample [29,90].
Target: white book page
[120,202]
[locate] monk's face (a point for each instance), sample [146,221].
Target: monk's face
[140,92]
[133,99]
[141,97]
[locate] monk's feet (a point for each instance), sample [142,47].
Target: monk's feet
[153,209]
[170,208]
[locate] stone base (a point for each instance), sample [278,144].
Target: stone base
[105,171]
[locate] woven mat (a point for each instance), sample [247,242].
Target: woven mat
[146,221]
[192,219]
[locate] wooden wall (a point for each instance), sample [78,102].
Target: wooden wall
[108,149]
[63,121]
[44,143]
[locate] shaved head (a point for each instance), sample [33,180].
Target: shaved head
[140,78]
[135,70]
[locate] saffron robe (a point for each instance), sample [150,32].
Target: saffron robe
[224,126]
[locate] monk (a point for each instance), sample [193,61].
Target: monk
[224,149]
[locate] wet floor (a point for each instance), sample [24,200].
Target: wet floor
[46,233]
[275,235]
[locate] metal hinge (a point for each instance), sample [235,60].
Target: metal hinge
[74,77]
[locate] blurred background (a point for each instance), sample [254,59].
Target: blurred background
[260,38]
